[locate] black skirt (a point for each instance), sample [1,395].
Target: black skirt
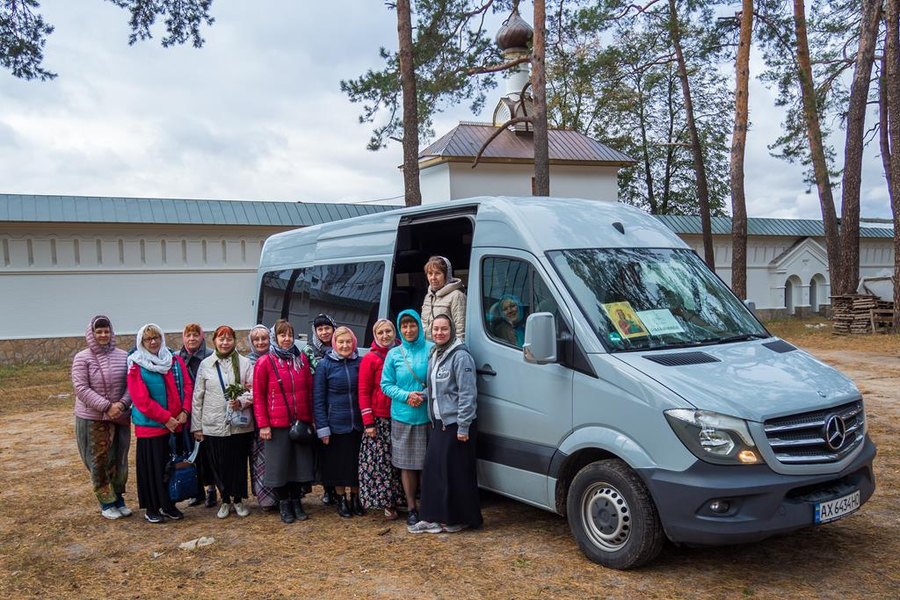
[339,460]
[151,460]
[228,459]
[449,480]
[286,461]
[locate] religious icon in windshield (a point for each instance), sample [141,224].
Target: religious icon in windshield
[626,321]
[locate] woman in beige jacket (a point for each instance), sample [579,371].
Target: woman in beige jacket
[222,418]
[445,296]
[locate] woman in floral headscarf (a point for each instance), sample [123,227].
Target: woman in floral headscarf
[223,420]
[102,415]
[265,496]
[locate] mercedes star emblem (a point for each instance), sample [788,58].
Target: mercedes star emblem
[835,432]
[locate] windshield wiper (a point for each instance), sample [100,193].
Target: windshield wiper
[741,337]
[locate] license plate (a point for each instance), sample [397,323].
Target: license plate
[837,508]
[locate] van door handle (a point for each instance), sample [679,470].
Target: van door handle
[487,371]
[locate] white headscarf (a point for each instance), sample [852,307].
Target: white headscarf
[160,363]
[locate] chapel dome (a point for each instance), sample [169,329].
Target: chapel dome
[515,34]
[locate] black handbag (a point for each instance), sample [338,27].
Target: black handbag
[300,432]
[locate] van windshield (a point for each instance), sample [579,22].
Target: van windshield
[652,298]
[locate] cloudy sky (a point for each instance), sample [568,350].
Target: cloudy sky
[257,113]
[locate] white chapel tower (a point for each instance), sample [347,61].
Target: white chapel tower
[580,167]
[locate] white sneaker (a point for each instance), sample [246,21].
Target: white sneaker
[224,510]
[241,510]
[112,513]
[125,511]
[425,527]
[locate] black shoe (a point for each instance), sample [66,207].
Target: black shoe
[287,511]
[298,510]
[197,501]
[344,507]
[173,513]
[412,518]
[329,496]
[211,499]
[154,517]
[355,506]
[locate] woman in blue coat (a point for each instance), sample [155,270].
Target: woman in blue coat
[339,422]
[403,379]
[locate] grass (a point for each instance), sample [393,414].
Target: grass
[35,387]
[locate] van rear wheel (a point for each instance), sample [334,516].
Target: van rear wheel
[612,516]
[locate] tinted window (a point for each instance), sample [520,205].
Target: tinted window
[512,290]
[285,294]
[350,293]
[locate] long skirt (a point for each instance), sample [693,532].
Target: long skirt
[286,461]
[340,459]
[227,456]
[449,481]
[152,458]
[264,495]
[103,446]
[379,480]
[408,444]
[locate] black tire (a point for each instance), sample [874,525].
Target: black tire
[612,516]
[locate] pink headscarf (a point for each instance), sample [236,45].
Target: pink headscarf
[342,330]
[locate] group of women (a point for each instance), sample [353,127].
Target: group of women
[377,431]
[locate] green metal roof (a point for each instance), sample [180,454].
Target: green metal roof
[82,209]
[690,224]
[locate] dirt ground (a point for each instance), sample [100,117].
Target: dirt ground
[53,542]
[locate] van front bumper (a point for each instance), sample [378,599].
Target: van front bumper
[761,503]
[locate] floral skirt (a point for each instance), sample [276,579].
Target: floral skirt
[264,495]
[379,480]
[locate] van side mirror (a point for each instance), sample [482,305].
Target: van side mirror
[540,338]
[751,305]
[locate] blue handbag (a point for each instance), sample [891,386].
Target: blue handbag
[181,472]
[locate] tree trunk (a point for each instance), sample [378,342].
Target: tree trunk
[699,166]
[853,148]
[738,144]
[817,150]
[892,80]
[539,92]
[410,107]
[883,132]
[648,174]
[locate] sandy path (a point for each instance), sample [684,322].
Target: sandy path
[53,543]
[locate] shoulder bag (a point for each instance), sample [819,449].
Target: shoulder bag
[300,432]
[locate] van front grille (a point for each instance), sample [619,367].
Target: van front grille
[817,437]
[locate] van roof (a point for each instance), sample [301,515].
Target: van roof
[534,223]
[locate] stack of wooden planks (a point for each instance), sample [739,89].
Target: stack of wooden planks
[861,313]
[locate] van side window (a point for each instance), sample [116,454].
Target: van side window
[512,290]
[285,295]
[350,293]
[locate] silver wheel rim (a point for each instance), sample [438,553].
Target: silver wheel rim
[606,517]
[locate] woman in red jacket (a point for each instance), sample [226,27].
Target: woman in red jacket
[161,391]
[379,480]
[282,393]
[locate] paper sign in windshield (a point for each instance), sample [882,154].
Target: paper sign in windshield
[625,319]
[660,321]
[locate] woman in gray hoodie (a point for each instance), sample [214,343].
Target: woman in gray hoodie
[449,500]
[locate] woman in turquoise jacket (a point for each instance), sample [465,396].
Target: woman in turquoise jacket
[403,380]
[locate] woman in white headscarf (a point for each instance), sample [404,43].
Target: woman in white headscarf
[160,389]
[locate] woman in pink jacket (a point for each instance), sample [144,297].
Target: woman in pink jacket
[102,417]
[282,393]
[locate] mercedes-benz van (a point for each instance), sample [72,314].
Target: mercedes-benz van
[621,384]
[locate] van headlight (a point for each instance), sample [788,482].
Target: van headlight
[714,438]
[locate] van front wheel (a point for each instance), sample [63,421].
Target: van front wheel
[612,516]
